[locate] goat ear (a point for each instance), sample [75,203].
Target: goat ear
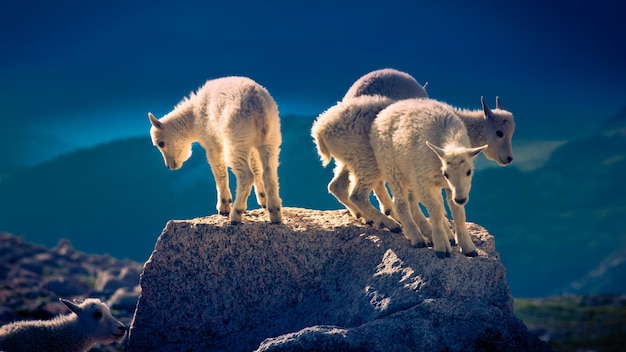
[71,305]
[440,152]
[486,110]
[473,152]
[498,105]
[154,121]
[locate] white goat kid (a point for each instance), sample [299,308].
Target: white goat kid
[387,82]
[422,146]
[236,121]
[393,84]
[342,133]
[90,323]
[493,128]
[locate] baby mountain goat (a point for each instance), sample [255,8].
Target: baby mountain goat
[492,127]
[236,121]
[352,123]
[90,323]
[342,133]
[422,146]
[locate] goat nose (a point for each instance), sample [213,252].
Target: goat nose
[122,328]
[509,159]
[460,201]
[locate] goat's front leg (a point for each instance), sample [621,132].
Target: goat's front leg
[215,157]
[463,237]
[433,201]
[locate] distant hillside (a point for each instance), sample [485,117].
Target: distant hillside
[116,198]
[556,224]
[556,227]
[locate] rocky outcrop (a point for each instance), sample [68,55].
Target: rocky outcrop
[319,282]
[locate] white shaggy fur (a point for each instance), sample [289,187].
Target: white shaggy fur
[236,121]
[342,133]
[416,142]
[90,323]
[493,128]
[393,84]
[387,82]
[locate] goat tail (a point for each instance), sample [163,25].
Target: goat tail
[322,149]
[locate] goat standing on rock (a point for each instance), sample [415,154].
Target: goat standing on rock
[342,133]
[90,323]
[422,146]
[236,121]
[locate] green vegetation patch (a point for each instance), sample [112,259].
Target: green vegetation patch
[574,323]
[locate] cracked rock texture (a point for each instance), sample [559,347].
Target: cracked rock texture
[320,281]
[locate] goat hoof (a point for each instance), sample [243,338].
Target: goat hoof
[235,222]
[471,254]
[442,255]
[419,245]
[396,229]
[276,217]
[224,213]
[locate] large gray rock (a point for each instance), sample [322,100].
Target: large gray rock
[319,282]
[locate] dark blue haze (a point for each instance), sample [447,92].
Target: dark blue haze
[77,76]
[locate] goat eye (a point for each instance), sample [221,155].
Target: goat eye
[97,314]
[469,172]
[445,174]
[161,144]
[500,134]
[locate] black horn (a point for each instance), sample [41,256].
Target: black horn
[486,109]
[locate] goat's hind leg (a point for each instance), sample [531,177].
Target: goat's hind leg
[269,162]
[241,168]
[359,195]
[259,188]
[339,187]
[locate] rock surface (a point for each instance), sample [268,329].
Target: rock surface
[319,282]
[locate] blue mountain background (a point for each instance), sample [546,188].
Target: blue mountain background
[555,225]
[77,80]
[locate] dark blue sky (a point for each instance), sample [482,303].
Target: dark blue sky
[76,73]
